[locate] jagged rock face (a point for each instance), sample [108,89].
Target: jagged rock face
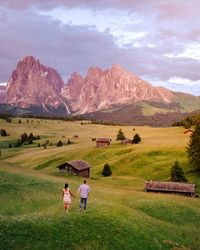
[34,84]
[102,89]
[2,93]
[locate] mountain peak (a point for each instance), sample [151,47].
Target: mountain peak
[33,84]
[102,89]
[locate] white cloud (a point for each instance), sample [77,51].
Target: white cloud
[191,50]
[183,81]
[114,22]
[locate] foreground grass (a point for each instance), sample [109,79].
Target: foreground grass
[120,214]
[32,215]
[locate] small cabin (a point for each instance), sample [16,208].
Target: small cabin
[75,136]
[102,142]
[127,141]
[171,187]
[78,167]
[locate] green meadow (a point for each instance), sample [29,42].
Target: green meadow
[120,214]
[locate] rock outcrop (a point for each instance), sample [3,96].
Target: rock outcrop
[34,84]
[102,89]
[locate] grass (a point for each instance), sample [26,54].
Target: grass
[120,214]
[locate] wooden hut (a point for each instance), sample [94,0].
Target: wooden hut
[170,187]
[78,167]
[75,136]
[102,142]
[127,141]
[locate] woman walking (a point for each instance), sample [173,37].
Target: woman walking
[66,197]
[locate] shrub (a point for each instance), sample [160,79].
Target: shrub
[68,142]
[136,139]
[38,145]
[177,173]
[3,132]
[59,144]
[106,170]
[19,121]
[120,135]
[10,146]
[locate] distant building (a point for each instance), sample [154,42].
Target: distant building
[127,141]
[171,187]
[75,136]
[102,142]
[78,167]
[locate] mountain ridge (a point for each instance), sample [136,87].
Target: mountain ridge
[41,89]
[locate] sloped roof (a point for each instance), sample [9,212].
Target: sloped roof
[102,139]
[79,164]
[170,186]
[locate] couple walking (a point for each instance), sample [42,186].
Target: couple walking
[84,191]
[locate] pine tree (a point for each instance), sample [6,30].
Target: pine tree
[120,135]
[177,173]
[193,148]
[136,139]
[30,136]
[59,144]
[106,170]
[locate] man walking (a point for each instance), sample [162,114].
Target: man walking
[84,190]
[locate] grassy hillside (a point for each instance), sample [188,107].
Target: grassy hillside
[120,214]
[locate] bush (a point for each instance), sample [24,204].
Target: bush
[136,139]
[106,170]
[10,146]
[68,142]
[59,144]
[39,145]
[177,173]
[3,132]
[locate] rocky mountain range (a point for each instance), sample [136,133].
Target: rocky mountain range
[36,87]
[102,89]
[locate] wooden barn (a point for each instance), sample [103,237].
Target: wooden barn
[78,167]
[102,142]
[75,136]
[170,187]
[127,141]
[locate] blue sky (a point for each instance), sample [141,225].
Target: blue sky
[158,40]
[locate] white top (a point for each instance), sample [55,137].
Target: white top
[84,189]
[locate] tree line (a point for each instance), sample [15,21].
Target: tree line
[188,121]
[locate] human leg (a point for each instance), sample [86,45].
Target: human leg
[81,203]
[85,203]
